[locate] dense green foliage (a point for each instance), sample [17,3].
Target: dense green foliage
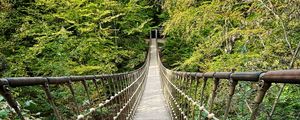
[248,35]
[50,37]
[259,35]
[68,37]
[79,37]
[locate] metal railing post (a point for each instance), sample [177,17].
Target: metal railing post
[5,92]
[263,87]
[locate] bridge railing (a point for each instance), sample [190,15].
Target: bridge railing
[115,96]
[192,95]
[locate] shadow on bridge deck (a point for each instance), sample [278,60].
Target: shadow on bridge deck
[153,105]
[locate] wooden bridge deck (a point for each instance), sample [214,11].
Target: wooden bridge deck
[153,105]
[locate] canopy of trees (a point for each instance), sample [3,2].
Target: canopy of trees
[72,37]
[79,37]
[68,37]
[242,34]
[248,35]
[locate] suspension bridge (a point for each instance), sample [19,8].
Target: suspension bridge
[151,92]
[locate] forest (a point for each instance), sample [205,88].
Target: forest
[87,37]
[245,35]
[70,37]
[51,38]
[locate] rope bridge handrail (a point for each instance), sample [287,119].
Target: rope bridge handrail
[186,98]
[122,93]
